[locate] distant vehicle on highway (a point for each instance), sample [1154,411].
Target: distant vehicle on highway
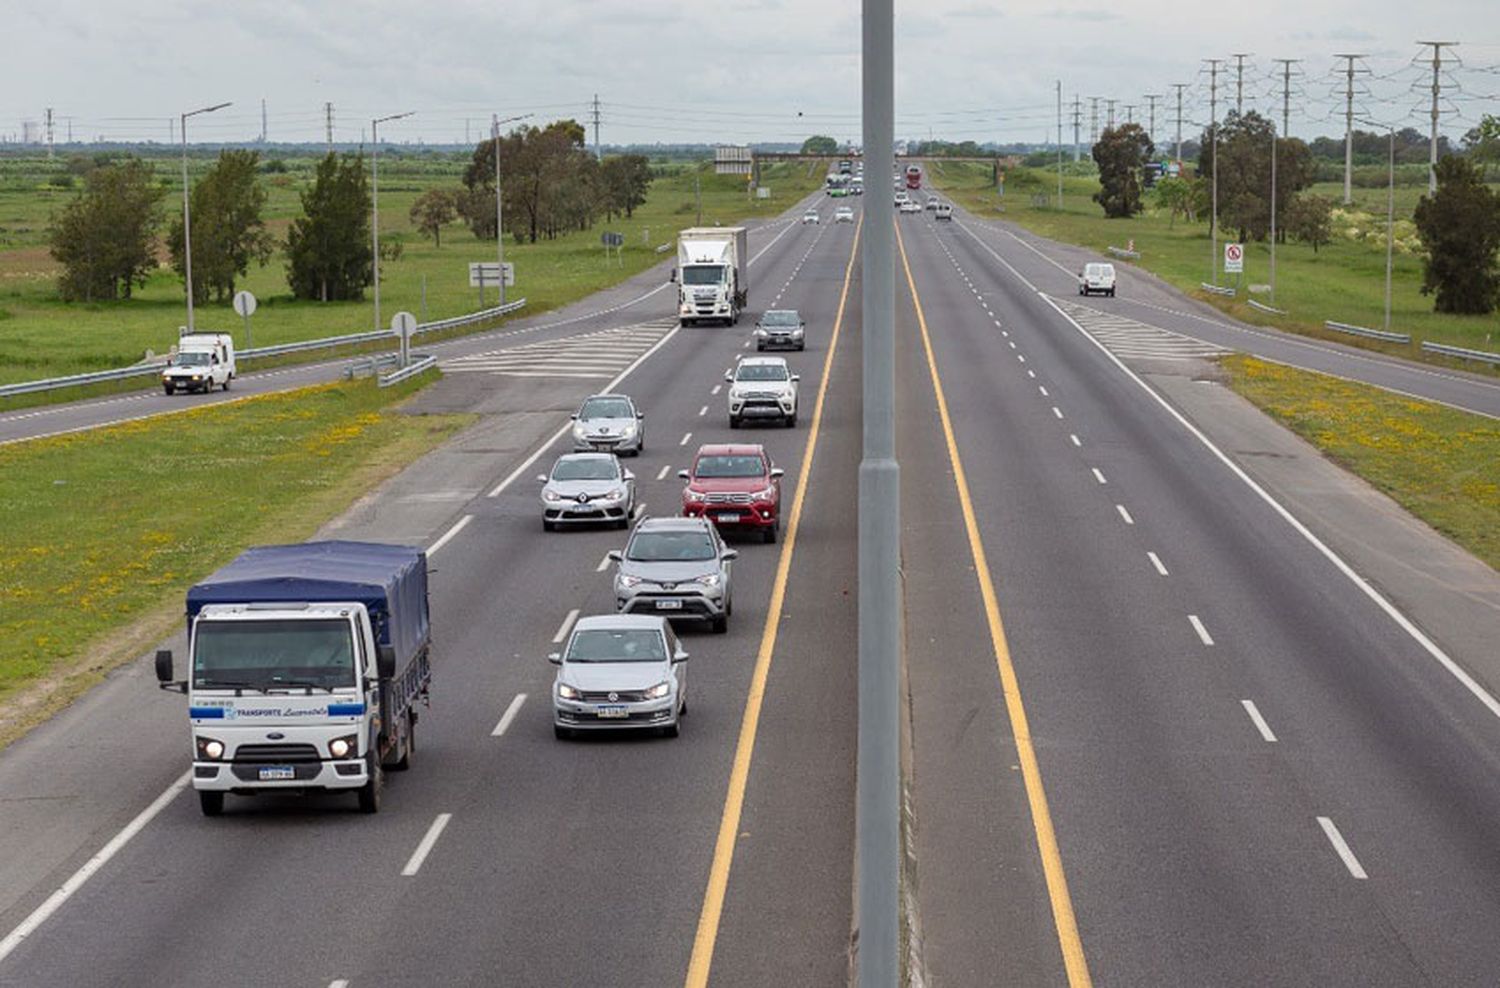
[911,206]
[811,216]
[619,671]
[587,488]
[735,486]
[913,177]
[843,215]
[609,423]
[202,361]
[713,268]
[1098,277]
[679,568]
[932,202]
[762,388]
[943,211]
[901,197]
[780,328]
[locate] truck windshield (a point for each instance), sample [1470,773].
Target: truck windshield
[703,274]
[193,358]
[273,653]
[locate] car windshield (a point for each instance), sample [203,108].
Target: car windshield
[703,274]
[761,372]
[729,466]
[593,468]
[780,317]
[193,358]
[660,547]
[273,653]
[605,408]
[606,645]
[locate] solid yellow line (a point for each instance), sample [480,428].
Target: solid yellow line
[1046,838]
[739,774]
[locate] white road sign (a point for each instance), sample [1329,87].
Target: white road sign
[1234,258]
[244,304]
[489,271]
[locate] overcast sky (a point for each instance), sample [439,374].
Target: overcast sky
[703,70]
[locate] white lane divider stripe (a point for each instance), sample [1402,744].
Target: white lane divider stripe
[508,716]
[662,473]
[703,411]
[563,629]
[1057,411]
[603,564]
[1260,722]
[685,437]
[1075,440]
[1156,561]
[414,863]
[1203,634]
[339,983]
[1099,476]
[447,536]
[1042,388]
[716,389]
[1124,514]
[1337,840]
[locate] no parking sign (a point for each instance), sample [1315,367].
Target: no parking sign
[1234,258]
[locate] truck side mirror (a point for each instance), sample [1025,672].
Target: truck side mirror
[385,661]
[683,475]
[164,665]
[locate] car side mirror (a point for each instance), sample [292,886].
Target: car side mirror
[802,324]
[573,417]
[164,665]
[629,475]
[641,416]
[615,555]
[730,554]
[555,658]
[729,377]
[385,661]
[683,475]
[777,473]
[679,656]
[541,478]
[796,377]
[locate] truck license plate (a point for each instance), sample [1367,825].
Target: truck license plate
[729,518]
[274,773]
[616,712]
[669,605]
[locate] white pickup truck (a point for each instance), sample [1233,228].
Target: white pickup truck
[203,360]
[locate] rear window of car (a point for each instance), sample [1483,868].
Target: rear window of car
[729,466]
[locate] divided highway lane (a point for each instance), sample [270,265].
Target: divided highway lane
[1255,776]
[505,857]
[645,296]
[1053,268]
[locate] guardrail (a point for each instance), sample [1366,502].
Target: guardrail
[1373,334]
[1216,290]
[361,366]
[1134,255]
[1265,308]
[141,370]
[419,364]
[1462,352]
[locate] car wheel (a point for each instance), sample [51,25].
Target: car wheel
[226,384]
[734,421]
[547,526]
[562,733]
[760,348]
[791,421]
[370,793]
[720,624]
[211,803]
[672,730]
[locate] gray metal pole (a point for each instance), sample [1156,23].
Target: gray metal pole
[187,229]
[878,795]
[375,212]
[1349,127]
[499,229]
[1059,145]
[1390,226]
[1213,127]
[1273,214]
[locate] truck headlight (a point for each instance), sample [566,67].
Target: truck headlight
[567,692]
[658,691]
[764,495]
[692,495]
[210,749]
[344,747]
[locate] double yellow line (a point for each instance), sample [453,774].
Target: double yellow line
[739,773]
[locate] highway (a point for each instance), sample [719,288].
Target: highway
[1157,734]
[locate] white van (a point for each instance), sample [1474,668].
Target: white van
[202,361]
[1097,277]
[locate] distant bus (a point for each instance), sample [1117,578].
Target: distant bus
[913,177]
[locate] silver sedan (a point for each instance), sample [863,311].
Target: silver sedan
[587,487]
[619,671]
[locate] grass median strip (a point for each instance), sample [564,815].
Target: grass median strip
[104,530]
[1440,464]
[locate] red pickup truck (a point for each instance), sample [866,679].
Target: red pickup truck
[736,487]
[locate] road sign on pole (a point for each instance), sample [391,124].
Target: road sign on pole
[483,273]
[244,304]
[1234,258]
[403,324]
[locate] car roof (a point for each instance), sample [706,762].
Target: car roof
[731,449]
[622,622]
[777,312]
[586,456]
[610,394]
[674,523]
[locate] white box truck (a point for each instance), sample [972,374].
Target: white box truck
[712,273]
[202,361]
[305,663]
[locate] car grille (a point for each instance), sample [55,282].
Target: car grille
[621,696]
[282,753]
[731,497]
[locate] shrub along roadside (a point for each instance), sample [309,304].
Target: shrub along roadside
[106,529]
[1438,463]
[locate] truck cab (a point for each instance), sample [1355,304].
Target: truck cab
[711,274]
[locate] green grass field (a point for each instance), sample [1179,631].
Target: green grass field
[106,529]
[42,337]
[1343,281]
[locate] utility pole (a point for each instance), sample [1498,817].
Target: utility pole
[375,206]
[598,153]
[1093,122]
[263,120]
[1151,99]
[1239,82]
[1130,112]
[1213,131]
[1437,89]
[1059,145]
[1179,86]
[1349,127]
[1077,121]
[1390,224]
[328,124]
[1286,93]
[1110,125]
[49,131]
[1273,213]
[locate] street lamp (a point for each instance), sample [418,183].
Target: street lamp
[375,201]
[187,219]
[499,229]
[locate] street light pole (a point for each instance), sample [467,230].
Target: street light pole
[187,219]
[1273,214]
[1390,226]
[375,202]
[495,123]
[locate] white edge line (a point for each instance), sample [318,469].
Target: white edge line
[1260,722]
[1401,620]
[562,629]
[414,863]
[508,716]
[76,881]
[1337,840]
[1203,634]
[447,536]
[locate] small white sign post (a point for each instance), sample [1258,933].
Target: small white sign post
[1234,258]
[244,304]
[485,273]
[402,324]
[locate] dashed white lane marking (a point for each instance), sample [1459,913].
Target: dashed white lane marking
[565,627]
[662,473]
[1074,438]
[1260,722]
[508,716]
[1021,358]
[603,564]
[1203,634]
[1012,344]
[447,536]
[1156,561]
[1337,840]
[639,511]
[339,983]
[1057,411]
[1031,373]
[1042,388]
[1125,515]
[414,863]
[1099,475]
[703,411]
[745,345]
[685,437]
[716,389]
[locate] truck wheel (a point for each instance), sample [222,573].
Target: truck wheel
[791,421]
[211,803]
[370,792]
[768,534]
[720,624]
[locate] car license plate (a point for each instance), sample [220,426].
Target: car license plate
[275,773]
[615,713]
[669,605]
[729,518]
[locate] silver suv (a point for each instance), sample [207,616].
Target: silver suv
[678,568]
[611,423]
[762,388]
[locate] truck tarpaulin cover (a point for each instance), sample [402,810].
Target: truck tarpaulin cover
[390,580]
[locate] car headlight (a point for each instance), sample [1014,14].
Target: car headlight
[764,495]
[708,579]
[629,429]
[210,749]
[759,331]
[692,495]
[579,431]
[626,580]
[343,747]
[551,496]
[567,692]
[661,689]
[614,495]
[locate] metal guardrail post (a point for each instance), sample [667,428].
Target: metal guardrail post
[1373,334]
[1464,353]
